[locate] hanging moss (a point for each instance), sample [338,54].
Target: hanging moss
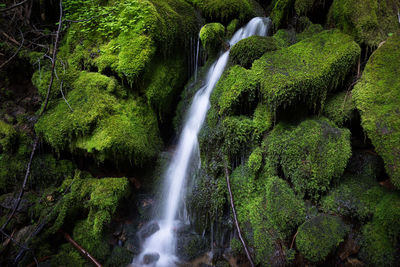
[306,70]
[369,22]
[376,97]
[311,154]
[226,10]
[303,7]
[100,124]
[318,237]
[212,36]
[339,108]
[281,12]
[232,27]
[247,50]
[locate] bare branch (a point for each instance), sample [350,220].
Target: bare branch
[14,6]
[16,52]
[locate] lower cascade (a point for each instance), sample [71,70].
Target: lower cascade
[159,248]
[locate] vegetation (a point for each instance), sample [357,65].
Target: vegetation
[212,37]
[339,108]
[378,104]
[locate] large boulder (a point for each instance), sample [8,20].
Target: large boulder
[377,98]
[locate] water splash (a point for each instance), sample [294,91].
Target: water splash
[159,248]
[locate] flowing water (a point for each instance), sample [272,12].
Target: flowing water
[159,248]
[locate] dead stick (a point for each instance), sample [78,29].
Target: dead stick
[81,250]
[14,6]
[235,217]
[294,238]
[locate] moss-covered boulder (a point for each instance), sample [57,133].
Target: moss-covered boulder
[376,97]
[339,108]
[311,154]
[369,22]
[101,124]
[380,237]
[247,50]
[227,10]
[318,237]
[8,137]
[282,10]
[285,38]
[268,211]
[306,70]
[212,36]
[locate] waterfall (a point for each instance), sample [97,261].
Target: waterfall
[159,249]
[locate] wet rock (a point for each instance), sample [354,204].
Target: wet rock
[190,245]
[148,230]
[151,258]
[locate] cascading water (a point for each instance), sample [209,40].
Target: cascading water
[162,243]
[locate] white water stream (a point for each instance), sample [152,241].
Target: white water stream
[163,242]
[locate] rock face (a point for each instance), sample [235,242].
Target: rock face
[377,98]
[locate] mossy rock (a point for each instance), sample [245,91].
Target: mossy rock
[8,137]
[339,108]
[212,36]
[101,124]
[309,31]
[247,50]
[227,10]
[376,97]
[380,237]
[307,70]
[355,197]
[319,237]
[267,209]
[369,22]
[282,10]
[119,257]
[285,38]
[311,154]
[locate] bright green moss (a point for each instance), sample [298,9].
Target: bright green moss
[7,137]
[339,108]
[387,215]
[303,7]
[100,124]
[68,256]
[225,10]
[318,237]
[306,70]
[235,91]
[376,97]
[165,79]
[369,22]
[247,50]
[268,210]
[232,27]
[284,38]
[212,36]
[355,197]
[237,133]
[309,31]
[311,154]
[281,12]
[262,119]
[255,160]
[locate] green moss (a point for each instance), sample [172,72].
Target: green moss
[268,211]
[339,108]
[387,216]
[318,237]
[306,70]
[212,36]
[311,154]
[232,27]
[8,137]
[226,10]
[369,22]
[119,257]
[247,50]
[376,97]
[100,124]
[355,197]
[284,38]
[68,256]
[164,81]
[309,31]
[281,12]
[303,7]
[255,160]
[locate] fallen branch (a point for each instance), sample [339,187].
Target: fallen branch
[16,52]
[81,250]
[235,216]
[294,238]
[14,6]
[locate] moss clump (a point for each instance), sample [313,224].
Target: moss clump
[339,108]
[306,70]
[119,257]
[309,31]
[318,237]
[100,124]
[8,137]
[376,97]
[284,38]
[311,154]
[212,36]
[232,27]
[247,50]
[369,22]
[303,7]
[268,211]
[281,12]
[355,197]
[226,10]
[381,235]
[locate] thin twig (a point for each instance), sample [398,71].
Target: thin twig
[61,86]
[16,52]
[294,238]
[14,6]
[235,216]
